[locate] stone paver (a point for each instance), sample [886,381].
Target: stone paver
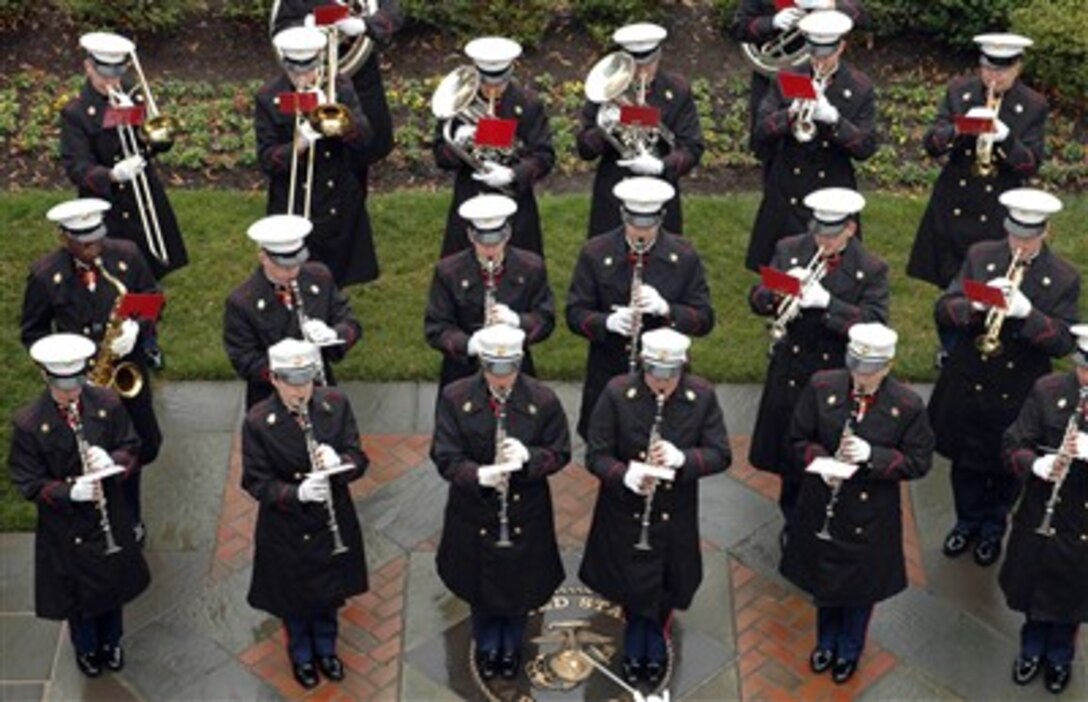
[747,635]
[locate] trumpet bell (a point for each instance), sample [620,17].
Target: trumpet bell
[988,346]
[331,120]
[127,380]
[610,77]
[160,130]
[455,93]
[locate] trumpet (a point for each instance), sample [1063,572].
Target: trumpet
[643,543]
[790,306]
[804,127]
[504,485]
[989,343]
[607,85]
[824,534]
[84,460]
[1062,462]
[984,166]
[338,546]
[141,188]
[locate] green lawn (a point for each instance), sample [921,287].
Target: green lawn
[409,232]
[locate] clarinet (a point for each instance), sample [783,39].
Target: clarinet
[303,318]
[643,543]
[490,287]
[824,534]
[84,459]
[338,546]
[504,484]
[636,316]
[1064,459]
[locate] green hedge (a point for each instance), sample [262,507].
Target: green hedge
[524,20]
[11,11]
[133,15]
[1059,58]
[602,17]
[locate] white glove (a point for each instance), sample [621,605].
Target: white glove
[1082,446]
[464,134]
[1002,132]
[639,697]
[787,19]
[1019,306]
[978,306]
[856,449]
[351,26]
[314,488]
[98,459]
[318,332]
[621,321]
[126,340]
[307,135]
[667,455]
[830,480]
[643,164]
[487,477]
[507,316]
[825,111]
[83,491]
[327,456]
[310,22]
[815,296]
[496,176]
[127,169]
[815,4]
[651,302]
[474,343]
[513,451]
[633,479]
[1043,466]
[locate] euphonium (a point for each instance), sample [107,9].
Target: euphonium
[107,371]
[643,543]
[504,483]
[790,306]
[607,85]
[1062,462]
[989,343]
[784,50]
[984,145]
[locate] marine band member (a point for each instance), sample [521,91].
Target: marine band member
[652,437]
[489,283]
[287,296]
[978,395]
[78,577]
[308,556]
[498,435]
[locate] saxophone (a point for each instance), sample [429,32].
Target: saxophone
[504,485]
[107,370]
[984,166]
[1064,459]
[643,543]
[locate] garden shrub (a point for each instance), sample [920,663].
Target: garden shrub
[132,15]
[1059,58]
[602,17]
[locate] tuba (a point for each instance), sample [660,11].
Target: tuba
[108,371]
[989,343]
[1062,463]
[790,306]
[607,84]
[352,52]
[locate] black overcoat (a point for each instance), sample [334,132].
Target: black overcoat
[602,280]
[56,300]
[88,151]
[963,208]
[815,340]
[455,306]
[975,400]
[667,576]
[496,580]
[294,571]
[1047,577]
[671,94]
[863,562]
[73,577]
[341,238]
[532,159]
[256,318]
[796,169]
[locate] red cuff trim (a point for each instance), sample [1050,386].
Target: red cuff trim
[616,471]
[281,499]
[48,490]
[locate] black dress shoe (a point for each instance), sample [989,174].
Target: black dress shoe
[632,670]
[306,674]
[155,358]
[987,552]
[821,659]
[88,664]
[843,670]
[1057,677]
[139,533]
[113,658]
[653,672]
[957,542]
[487,664]
[1024,670]
[509,664]
[331,667]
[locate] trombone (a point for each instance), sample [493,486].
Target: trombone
[130,147]
[607,84]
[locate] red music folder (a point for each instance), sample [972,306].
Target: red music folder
[796,87]
[640,115]
[495,133]
[296,103]
[780,5]
[977,291]
[974,125]
[325,15]
[779,281]
[142,306]
[124,116]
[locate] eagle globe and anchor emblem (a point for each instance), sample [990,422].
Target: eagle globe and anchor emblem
[576,655]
